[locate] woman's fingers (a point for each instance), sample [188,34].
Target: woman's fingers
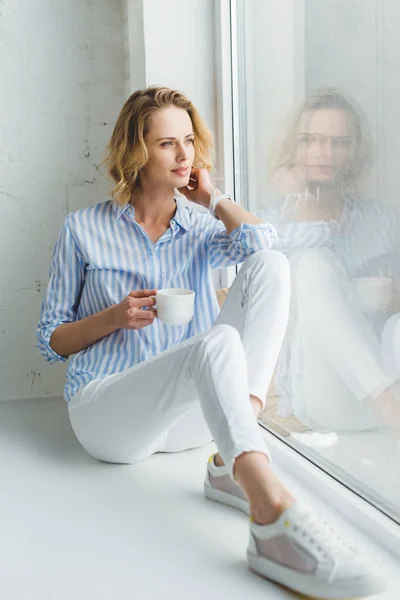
[142,293]
[148,315]
[188,193]
[194,173]
[184,191]
[146,323]
[147,301]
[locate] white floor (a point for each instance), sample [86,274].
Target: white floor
[72,527]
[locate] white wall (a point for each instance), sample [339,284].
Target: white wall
[67,68]
[62,85]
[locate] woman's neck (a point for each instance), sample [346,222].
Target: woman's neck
[154,207]
[329,187]
[330,195]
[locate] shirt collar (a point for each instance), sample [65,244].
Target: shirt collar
[119,209]
[181,217]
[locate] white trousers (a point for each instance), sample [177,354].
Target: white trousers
[342,353]
[197,390]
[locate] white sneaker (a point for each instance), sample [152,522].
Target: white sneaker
[303,553]
[298,550]
[220,487]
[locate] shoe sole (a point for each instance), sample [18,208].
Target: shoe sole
[224,498]
[306,584]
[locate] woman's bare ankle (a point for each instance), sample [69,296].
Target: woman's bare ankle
[267,496]
[218,460]
[268,513]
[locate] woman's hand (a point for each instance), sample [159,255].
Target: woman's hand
[388,406]
[70,338]
[128,314]
[306,208]
[289,180]
[199,188]
[395,301]
[299,204]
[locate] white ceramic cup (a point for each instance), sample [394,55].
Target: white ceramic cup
[175,306]
[374,293]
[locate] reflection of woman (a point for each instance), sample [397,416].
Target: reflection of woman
[332,237]
[136,386]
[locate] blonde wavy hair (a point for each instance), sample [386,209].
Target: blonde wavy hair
[283,150]
[126,152]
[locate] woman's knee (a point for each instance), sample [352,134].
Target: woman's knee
[270,267]
[315,269]
[315,260]
[271,258]
[225,335]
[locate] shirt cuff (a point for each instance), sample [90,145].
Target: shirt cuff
[245,228]
[43,343]
[334,227]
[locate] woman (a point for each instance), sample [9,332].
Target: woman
[330,371]
[135,386]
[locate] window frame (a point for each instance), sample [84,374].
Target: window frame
[224,111]
[366,516]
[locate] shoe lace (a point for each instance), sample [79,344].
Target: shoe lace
[322,535]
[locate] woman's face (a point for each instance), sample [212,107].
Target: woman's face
[325,144]
[170,145]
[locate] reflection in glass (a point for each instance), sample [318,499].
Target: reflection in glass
[342,249]
[338,368]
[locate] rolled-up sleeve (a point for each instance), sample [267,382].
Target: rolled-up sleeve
[226,249]
[302,235]
[60,304]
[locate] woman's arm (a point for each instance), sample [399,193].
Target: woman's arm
[200,191]
[59,333]
[232,215]
[70,338]
[237,233]
[298,231]
[61,301]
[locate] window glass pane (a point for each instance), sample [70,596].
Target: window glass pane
[318,138]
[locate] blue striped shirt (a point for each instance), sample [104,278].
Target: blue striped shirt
[102,254]
[366,243]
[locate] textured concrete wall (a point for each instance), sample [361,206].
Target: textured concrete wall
[67,66]
[63,82]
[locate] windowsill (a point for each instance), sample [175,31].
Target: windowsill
[97,531]
[367,462]
[323,487]
[364,461]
